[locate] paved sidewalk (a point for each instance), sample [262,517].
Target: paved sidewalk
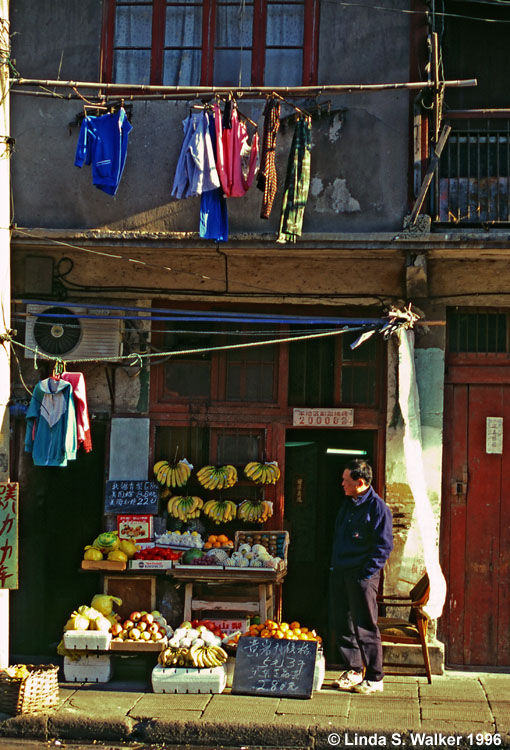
[461,709]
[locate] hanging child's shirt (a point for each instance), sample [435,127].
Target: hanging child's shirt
[51,435]
[80,404]
[213,205]
[103,143]
[231,148]
[196,168]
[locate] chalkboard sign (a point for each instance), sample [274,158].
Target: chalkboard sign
[131,495]
[277,667]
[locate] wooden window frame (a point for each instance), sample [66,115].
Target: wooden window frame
[310,41]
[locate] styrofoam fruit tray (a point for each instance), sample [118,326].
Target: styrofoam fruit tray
[87,640]
[88,668]
[189,680]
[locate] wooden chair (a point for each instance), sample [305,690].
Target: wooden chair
[412,630]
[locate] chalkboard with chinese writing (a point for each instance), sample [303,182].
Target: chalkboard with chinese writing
[277,667]
[135,496]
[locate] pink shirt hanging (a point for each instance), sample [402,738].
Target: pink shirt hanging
[80,402]
[231,146]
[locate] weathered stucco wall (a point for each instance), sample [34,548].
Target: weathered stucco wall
[360,149]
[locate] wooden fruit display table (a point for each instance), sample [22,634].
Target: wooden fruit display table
[260,600]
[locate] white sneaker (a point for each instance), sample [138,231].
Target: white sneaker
[348,680]
[368,686]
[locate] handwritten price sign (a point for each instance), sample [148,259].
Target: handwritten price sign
[9,503]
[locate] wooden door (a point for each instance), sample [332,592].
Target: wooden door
[475,543]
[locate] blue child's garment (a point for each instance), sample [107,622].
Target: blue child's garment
[51,424]
[103,143]
[213,204]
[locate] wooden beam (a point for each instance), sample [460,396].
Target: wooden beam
[430,173]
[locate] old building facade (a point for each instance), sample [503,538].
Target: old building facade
[138,274]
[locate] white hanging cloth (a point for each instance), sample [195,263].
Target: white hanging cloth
[428,528]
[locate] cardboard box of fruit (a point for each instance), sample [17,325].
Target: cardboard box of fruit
[142,631]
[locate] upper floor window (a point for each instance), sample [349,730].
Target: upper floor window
[206,42]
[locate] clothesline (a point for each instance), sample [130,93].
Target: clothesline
[142,91]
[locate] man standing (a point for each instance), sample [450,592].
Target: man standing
[362,543]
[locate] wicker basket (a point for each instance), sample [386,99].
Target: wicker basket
[38,692]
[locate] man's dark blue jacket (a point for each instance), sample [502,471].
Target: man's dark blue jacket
[363,535]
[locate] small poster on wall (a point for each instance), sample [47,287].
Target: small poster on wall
[9,503]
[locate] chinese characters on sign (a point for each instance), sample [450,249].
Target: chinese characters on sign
[323,417]
[9,495]
[268,666]
[494,435]
[132,496]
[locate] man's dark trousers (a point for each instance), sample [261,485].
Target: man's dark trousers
[354,616]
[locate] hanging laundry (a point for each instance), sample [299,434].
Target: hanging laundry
[297,183]
[196,167]
[51,435]
[80,404]
[213,204]
[232,148]
[267,179]
[103,143]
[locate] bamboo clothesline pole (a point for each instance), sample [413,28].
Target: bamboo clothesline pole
[132,91]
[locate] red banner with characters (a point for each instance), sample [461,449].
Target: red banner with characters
[9,498]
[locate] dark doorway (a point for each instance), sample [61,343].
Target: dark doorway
[61,511]
[312,494]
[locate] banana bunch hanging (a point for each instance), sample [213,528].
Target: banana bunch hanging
[262,473]
[217,477]
[172,475]
[255,511]
[185,507]
[220,511]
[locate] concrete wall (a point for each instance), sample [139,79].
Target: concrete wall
[359,158]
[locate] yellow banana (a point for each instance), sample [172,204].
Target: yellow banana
[158,465]
[162,473]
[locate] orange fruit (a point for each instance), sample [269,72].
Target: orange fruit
[265,633]
[297,631]
[294,625]
[207,545]
[304,630]
[279,634]
[284,626]
[270,624]
[216,545]
[303,636]
[222,538]
[212,539]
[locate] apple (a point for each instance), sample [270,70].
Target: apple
[156,613]
[148,618]
[153,628]
[156,636]
[145,636]
[128,624]
[141,625]
[116,629]
[135,616]
[135,634]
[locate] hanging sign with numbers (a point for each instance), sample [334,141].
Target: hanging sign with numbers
[131,496]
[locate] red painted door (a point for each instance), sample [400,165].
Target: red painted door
[475,533]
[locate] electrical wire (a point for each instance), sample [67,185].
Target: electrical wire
[137,358]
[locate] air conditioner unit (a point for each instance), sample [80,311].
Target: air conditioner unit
[67,337]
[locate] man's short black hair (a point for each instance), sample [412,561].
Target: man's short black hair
[360,469]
